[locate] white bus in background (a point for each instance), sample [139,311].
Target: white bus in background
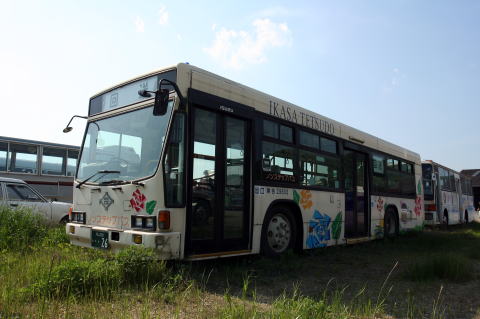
[447,194]
[202,167]
[47,167]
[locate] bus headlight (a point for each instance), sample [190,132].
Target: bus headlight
[144,222]
[78,217]
[149,222]
[138,222]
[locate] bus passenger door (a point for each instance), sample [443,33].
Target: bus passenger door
[459,203]
[218,215]
[357,197]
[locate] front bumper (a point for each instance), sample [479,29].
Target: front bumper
[167,245]
[430,218]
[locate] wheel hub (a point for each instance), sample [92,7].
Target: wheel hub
[279,233]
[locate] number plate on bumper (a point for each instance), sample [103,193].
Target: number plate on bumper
[100,239]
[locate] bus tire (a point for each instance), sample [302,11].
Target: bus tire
[391,223]
[445,219]
[279,232]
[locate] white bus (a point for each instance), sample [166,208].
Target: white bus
[448,195]
[199,166]
[47,167]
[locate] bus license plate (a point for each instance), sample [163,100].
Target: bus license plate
[100,239]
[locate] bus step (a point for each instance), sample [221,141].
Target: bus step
[351,241]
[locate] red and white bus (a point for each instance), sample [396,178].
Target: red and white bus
[197,166]
[47,167]
[448,195]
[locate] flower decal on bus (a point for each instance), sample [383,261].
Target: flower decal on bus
[380,204]
[418,206]
[151,206]
[318,230]
[379,229]
[138,200]
[419,188]
[306,201]
[303,199]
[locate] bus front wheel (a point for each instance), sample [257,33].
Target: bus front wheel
[278,232]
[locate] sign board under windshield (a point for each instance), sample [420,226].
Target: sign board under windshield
[128,94]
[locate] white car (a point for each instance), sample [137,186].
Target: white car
[17,193]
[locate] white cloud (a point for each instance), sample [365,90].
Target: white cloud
[163,15]
[396,79]
[139,24]
[235,49]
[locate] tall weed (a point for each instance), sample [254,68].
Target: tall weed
[20,228]
[97,278]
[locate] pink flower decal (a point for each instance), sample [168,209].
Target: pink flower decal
[138,200]
[418,205]
[380,204]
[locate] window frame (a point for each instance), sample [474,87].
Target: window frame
[64,161]
[40,196]
[9,158]
[297,169]
[396,166]
[187,140]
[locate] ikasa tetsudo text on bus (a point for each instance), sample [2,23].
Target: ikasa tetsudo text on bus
[227,170]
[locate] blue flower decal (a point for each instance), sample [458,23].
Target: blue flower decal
[318,230]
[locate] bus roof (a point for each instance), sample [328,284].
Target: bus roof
[24,141]
[442,166]
[189,76]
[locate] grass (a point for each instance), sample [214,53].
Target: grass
[42,276]
[450,266]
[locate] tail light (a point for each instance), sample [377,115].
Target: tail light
[431,207]
[164,220]
[70,213]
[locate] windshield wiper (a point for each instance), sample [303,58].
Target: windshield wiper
[114,182]
[104,172]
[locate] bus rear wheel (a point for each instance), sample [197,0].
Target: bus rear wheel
[391,223]
[445,219]
[278,232]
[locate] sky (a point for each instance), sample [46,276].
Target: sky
[406,71]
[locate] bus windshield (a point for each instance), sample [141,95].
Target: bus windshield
[427,181]
[128,144]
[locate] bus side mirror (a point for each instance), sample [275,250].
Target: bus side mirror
[161,102]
